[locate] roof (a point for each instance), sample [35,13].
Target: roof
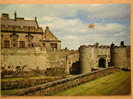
[12,22]
[49,36]
[19,24]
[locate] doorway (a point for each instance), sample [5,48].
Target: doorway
[102,63]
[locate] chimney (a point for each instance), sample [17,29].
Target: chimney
[122,44]
[112,45]
[36,22]
[15,16]
[47,29]
[96,44]
[35,18]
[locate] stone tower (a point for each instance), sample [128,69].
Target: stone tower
[94,57]
[120,56]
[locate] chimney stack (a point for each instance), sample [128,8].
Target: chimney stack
[122,44]
[112,45]
[15,15]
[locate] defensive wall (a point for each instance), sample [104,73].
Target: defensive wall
[86,59]
[120,57]
[37,58]
[90,56]
[96,57]
[60,85]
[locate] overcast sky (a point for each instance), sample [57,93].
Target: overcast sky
[70,22]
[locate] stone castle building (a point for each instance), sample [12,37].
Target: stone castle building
[20,38]
[21,33]
[94,56]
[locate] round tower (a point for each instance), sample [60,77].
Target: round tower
[84,59]
[120,56]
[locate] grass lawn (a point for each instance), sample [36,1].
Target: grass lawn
[117,83]
[114,84]
[7,92]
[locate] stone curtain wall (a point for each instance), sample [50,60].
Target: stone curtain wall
[60,85]
[31,58]
[36,58]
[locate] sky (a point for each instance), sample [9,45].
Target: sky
[69,22]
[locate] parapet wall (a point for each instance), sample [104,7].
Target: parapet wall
[60,85]
[36,58]
[94,57]
[31,58]
[27,82]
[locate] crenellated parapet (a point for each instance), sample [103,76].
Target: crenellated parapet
[120,56]
[102,56]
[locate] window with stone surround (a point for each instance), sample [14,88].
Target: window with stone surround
[54,45]
[44,45]
[6,44]
[21,44]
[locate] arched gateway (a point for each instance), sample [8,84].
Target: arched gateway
[102,63]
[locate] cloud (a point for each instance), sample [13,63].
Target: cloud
[73,32]
[69,22]
[113,11]
[63,10]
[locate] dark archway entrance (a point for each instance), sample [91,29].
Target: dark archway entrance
[75,69]
[102,63]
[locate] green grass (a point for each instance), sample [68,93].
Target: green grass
[114,84]
[9,92]
[13,91]
[11,79]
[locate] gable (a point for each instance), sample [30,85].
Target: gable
[48,35]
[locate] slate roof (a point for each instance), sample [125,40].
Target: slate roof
[13,22]
[19,24]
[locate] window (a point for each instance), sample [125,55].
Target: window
[21,44]
[54,45]
[44,45]
[6,44]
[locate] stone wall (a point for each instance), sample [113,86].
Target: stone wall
[121,57]
[36,58]
[49,48]
[60,85]
[27,82]
[21,37]
[63,59]
[90,56]
[32,58]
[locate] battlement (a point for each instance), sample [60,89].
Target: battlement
[96,45]
[127,46]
